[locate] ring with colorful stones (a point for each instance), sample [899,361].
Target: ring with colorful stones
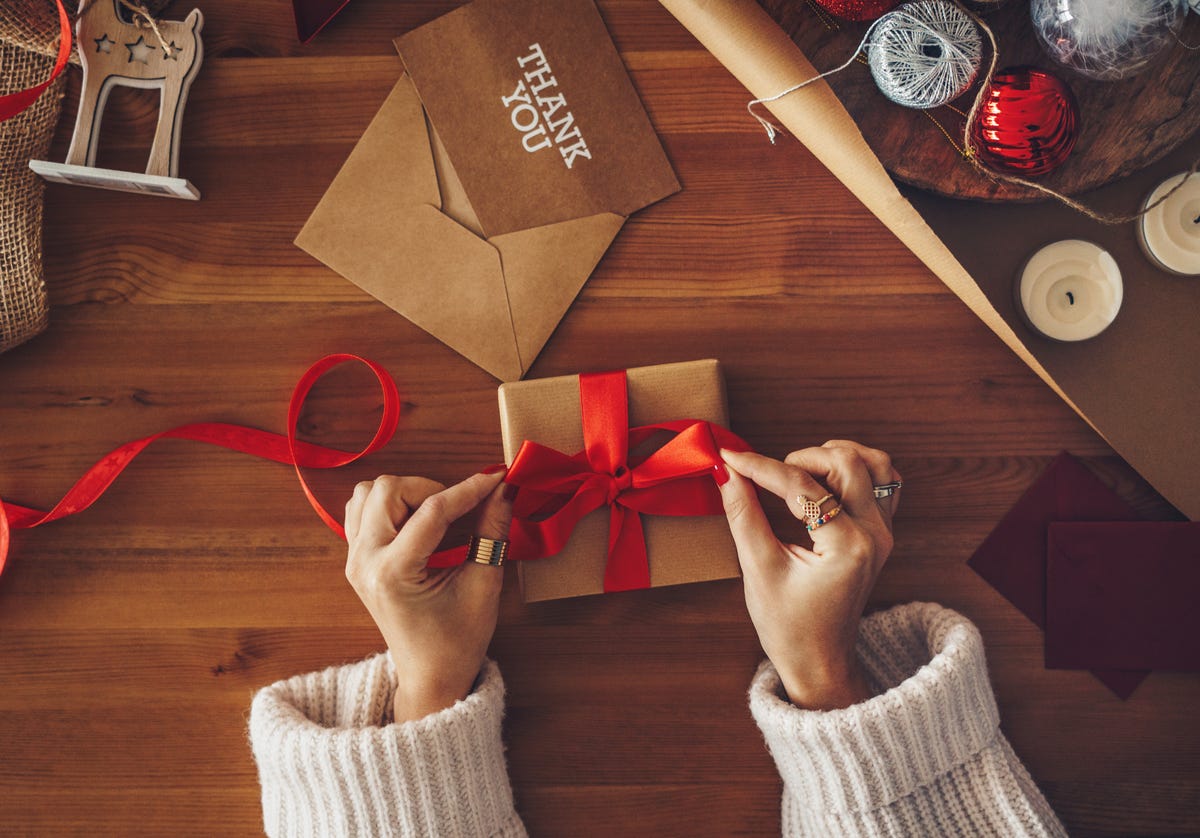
[810,510]
[824,519]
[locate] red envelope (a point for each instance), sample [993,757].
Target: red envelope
[1123,595]
[1013,557]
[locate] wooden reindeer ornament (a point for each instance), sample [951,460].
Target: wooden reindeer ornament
[147,53]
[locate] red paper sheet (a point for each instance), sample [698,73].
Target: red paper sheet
[1123,596]
[313,15]
[1013,557]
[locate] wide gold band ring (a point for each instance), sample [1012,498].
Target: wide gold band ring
[810,510]
[488,551]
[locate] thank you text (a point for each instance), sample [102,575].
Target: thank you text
[538,110]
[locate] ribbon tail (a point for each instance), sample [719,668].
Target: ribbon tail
[4,537]
[628,567]
[284,449]
[450,557]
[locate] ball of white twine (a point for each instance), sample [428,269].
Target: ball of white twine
[925,54]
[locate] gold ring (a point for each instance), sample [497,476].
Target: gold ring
[811,509]
[488,551]
[821,521]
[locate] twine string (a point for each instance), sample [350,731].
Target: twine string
[141,18]
[771,128]
[972,155]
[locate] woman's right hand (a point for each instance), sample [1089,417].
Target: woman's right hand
[437,623]
[806,604]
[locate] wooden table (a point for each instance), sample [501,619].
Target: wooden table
[132,636]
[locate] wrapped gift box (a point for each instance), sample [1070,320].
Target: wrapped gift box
[680,549]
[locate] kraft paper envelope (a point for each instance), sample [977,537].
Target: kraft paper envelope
[486,190]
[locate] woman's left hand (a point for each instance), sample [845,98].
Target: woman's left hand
[806,603]
[437,623]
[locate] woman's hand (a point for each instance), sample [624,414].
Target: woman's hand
[437,623]
[806,604]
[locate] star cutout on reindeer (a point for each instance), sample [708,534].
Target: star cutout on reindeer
[104,43]
[140,51]
[173,51]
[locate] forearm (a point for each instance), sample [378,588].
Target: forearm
[924,755]
[330,761]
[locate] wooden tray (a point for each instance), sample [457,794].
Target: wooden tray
[1126,125]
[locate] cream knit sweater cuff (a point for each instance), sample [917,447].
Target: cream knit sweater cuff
[330,764]
[925,753]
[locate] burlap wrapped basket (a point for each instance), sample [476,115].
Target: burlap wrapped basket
[29,33]
[28,45]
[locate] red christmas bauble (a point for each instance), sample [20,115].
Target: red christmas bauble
[1027,123]
[857,9]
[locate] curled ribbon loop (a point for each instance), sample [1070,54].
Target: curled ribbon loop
[558,490]
[282,449]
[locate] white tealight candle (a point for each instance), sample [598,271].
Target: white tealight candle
[1170,232]
[1070,290]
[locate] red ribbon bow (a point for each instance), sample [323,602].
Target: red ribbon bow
[558,490]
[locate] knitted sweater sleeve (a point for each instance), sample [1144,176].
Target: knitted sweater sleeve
[924,756]
[330,763]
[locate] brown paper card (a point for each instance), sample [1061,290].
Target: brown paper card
[1150,422]
[537,112]
[396,222]
[691,549]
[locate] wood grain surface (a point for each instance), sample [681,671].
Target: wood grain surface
[133,636]
[1124,125]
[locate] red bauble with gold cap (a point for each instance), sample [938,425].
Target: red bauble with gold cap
[1027,123]
[857,9]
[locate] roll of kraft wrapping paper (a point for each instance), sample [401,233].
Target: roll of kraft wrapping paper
[743,37]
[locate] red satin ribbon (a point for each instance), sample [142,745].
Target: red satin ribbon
[558,490]
[13,103]
[270,446]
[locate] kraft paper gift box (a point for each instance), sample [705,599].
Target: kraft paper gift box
[680,549]
[494,177]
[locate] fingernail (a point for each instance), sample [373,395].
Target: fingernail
[510,491]
[720,474]
[495,469]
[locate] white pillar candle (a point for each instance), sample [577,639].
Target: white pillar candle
[1070,290]
[1170,233]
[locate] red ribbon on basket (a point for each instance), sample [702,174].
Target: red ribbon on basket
[270,446]
[13,103]
[557,490]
